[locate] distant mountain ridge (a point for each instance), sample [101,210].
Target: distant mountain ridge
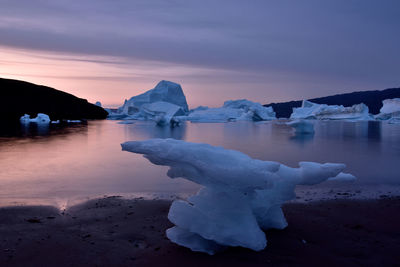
[373,99]
[19,97]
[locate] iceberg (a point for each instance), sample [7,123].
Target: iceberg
[258,112]
[309,110]
[240,196]
[98,103]
[390,110]
[232,110]
[41,118]
[215,115]
[165,91]
[160,104]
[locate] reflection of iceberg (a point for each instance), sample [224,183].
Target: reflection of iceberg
[232,110]
[240,196]
[302,126]
[309,110]
[160,104]
[390,110]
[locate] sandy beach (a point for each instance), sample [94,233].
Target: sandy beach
[114,231]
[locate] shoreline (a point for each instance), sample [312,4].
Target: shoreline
[125,232]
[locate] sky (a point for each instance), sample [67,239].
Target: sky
[262,50]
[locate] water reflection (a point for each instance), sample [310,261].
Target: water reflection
[84,160]
[148,130]
[302,138]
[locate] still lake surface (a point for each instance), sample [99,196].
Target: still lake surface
[67,165]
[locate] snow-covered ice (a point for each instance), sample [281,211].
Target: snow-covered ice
[301,126]
[309,110]
[240,195]
[390,110]
[40,119]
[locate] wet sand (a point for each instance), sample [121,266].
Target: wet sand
[118,232]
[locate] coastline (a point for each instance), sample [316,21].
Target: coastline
[125,232]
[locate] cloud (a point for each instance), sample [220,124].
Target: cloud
[341,42]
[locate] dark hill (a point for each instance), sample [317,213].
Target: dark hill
[373,99]
[19,97]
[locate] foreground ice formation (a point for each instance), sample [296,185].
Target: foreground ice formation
[232,110]
[390,110]
[40,119]
[240,197]
[309,110]
[160,104]
[302,126]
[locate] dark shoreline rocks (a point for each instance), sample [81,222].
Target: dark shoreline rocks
[19,97]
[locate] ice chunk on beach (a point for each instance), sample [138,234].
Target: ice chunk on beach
[302,126]
[41,118]
[390,110]
[309,110]
[240,197]
[232,110]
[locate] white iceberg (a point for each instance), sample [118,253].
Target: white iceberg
[390,110]
[309,110]
[301,126]
[240,195]
[165,91]
[258,111]
[232,110]
[215,115]
[40,119]
[160,104]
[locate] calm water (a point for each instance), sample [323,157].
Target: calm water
[61,166]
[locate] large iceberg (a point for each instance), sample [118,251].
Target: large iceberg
[390,110]
[240,197]
[165,91]
[41,118]
[309,110]
[160,104]
[232,110]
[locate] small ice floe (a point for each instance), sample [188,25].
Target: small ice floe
[240,196]
[73,121]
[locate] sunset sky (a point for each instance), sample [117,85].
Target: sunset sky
[265,51]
